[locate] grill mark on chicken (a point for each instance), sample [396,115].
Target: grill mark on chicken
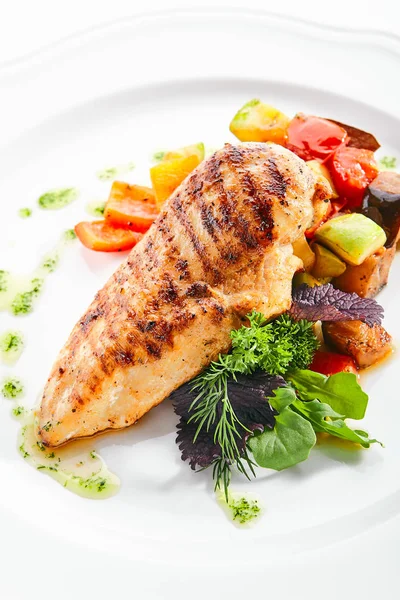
[181,266]
[89,318]
[234,155]
[261,205]
[93,382]
[238,223]
[169,291]
[229,216]
[163,332]
[277,184]
[208,220]
[153,349]
[121,356]
[106,361]
[198,290]
[198,246]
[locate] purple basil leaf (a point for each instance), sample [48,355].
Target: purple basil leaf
[201,453]
[326,303]
[248,399]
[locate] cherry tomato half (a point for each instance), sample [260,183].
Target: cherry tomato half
[103,237]
[314,138]
[352,170]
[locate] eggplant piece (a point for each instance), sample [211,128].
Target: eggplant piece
[381,203]
[365,344]
[370,277]
[358,138]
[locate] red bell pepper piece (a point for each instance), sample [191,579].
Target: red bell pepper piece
[329,363]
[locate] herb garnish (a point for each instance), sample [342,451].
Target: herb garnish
[241,404]
[222,415]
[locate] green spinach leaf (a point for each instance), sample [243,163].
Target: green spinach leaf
[341,391]
[317,412]
[289,442]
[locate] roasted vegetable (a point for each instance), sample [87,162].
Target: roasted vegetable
[303,277]
[103,237]
[353,237]
[327,264]
[352,170]
[167,175]
[329,363]
[382,204]
[302,250]
[132,206]
[314,138]
[192,150]
[365,344]
[259,122]
[370,277]
[357,138]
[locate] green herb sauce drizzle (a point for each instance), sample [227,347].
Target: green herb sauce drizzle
[77,467]
[58,198]
[18,294]
[12,388]
[24,213]
[388,163]
[111,173]
[11,346]
[95,208]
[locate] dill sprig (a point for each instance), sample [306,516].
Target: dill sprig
[212,406]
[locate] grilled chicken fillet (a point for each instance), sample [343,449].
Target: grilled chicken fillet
[220,248]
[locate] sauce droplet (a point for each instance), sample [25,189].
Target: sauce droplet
[11,346]
[242,509]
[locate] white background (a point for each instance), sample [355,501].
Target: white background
[27,25]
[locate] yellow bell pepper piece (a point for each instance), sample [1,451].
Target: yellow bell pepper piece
[168,174]
[259,122]
[193,150]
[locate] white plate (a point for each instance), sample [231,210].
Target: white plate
[110,97]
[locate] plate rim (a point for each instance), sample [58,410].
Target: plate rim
[383,39]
